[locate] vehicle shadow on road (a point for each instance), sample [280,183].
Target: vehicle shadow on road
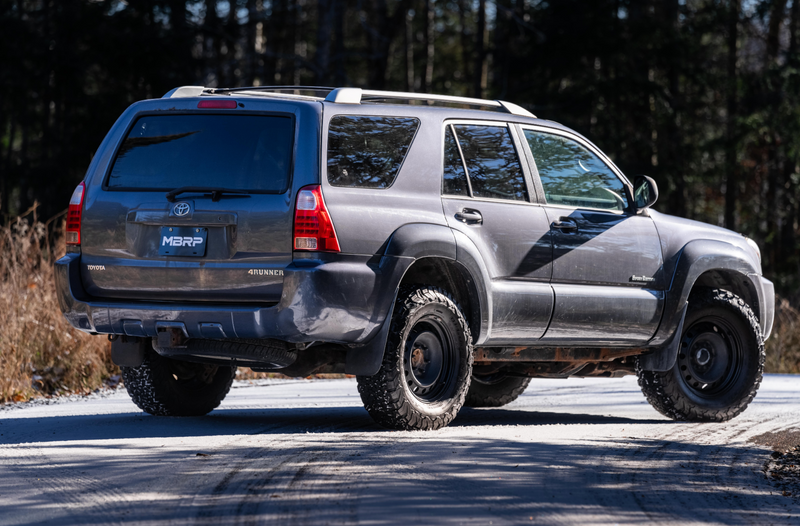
[261,421]
[509,417]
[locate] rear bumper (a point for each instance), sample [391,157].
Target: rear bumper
[345,300]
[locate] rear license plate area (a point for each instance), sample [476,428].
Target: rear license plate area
[182,241]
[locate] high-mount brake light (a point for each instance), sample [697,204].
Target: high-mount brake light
[313,228]
[217,104]
[73,231]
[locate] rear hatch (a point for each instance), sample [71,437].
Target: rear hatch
[196,205]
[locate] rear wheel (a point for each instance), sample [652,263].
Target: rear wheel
[495,390]
[166,387]
[719,366]
[427,365]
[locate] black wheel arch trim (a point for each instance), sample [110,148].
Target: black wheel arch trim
[695,259]
[413,242]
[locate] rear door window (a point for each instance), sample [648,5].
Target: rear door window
[242,152]
[573,176]
[492,163]
[368,151]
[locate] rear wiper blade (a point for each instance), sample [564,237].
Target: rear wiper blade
[216,193]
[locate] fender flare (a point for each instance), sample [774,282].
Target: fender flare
[411,243]
[696,258]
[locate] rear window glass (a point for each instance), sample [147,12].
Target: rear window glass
[242,152]
[367,151]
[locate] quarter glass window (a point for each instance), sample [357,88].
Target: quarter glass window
[492,163]
[455,178]
[367,151]
[573,176]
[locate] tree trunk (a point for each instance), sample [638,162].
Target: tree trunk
[464,38]
[480,70]
[776,16]
[731,175]
[325,21]
[408,40]
[671,146]
[340,73]
[430,37]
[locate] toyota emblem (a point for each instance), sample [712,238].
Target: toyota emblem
[181,209]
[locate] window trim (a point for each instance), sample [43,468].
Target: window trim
[161,113]
[593,149]
[326,146]
[532,198]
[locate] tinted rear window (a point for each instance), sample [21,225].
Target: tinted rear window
[367,151]
[243,152]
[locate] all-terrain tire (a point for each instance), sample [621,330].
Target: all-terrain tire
[166,387]
[495,390]
[427,364]
[720,362]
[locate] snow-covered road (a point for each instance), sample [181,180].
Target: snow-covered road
[588,451]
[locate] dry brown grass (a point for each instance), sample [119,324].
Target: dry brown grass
[783,346]
[40,353]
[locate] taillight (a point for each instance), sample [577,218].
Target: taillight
[313,228]
[217,104]
[73,232]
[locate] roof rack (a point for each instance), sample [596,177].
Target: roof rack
[275,89]
[354,96]
[358,95]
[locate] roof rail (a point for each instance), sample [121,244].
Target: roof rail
[196,91]
[272,88]
[357,95]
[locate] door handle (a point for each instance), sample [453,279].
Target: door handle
[565,224]
[468,215]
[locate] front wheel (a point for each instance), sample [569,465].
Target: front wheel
[427,364]
[719,366]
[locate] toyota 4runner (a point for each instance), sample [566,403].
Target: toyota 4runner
[443,249]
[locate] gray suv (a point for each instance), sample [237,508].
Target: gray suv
[445,250]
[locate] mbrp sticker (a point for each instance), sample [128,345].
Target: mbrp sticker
[181,241]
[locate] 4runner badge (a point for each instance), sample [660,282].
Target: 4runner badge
[264,272]
[642,279]
[181,209]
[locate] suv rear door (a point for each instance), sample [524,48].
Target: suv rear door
[201,245]
[486,196]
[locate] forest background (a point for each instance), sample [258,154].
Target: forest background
[702,95]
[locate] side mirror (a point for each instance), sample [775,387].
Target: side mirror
[645,192]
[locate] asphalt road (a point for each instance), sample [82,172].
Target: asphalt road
[574,451]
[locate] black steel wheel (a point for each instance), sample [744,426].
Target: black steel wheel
[495,390]
[719,365]
[426,368]
[165,387]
